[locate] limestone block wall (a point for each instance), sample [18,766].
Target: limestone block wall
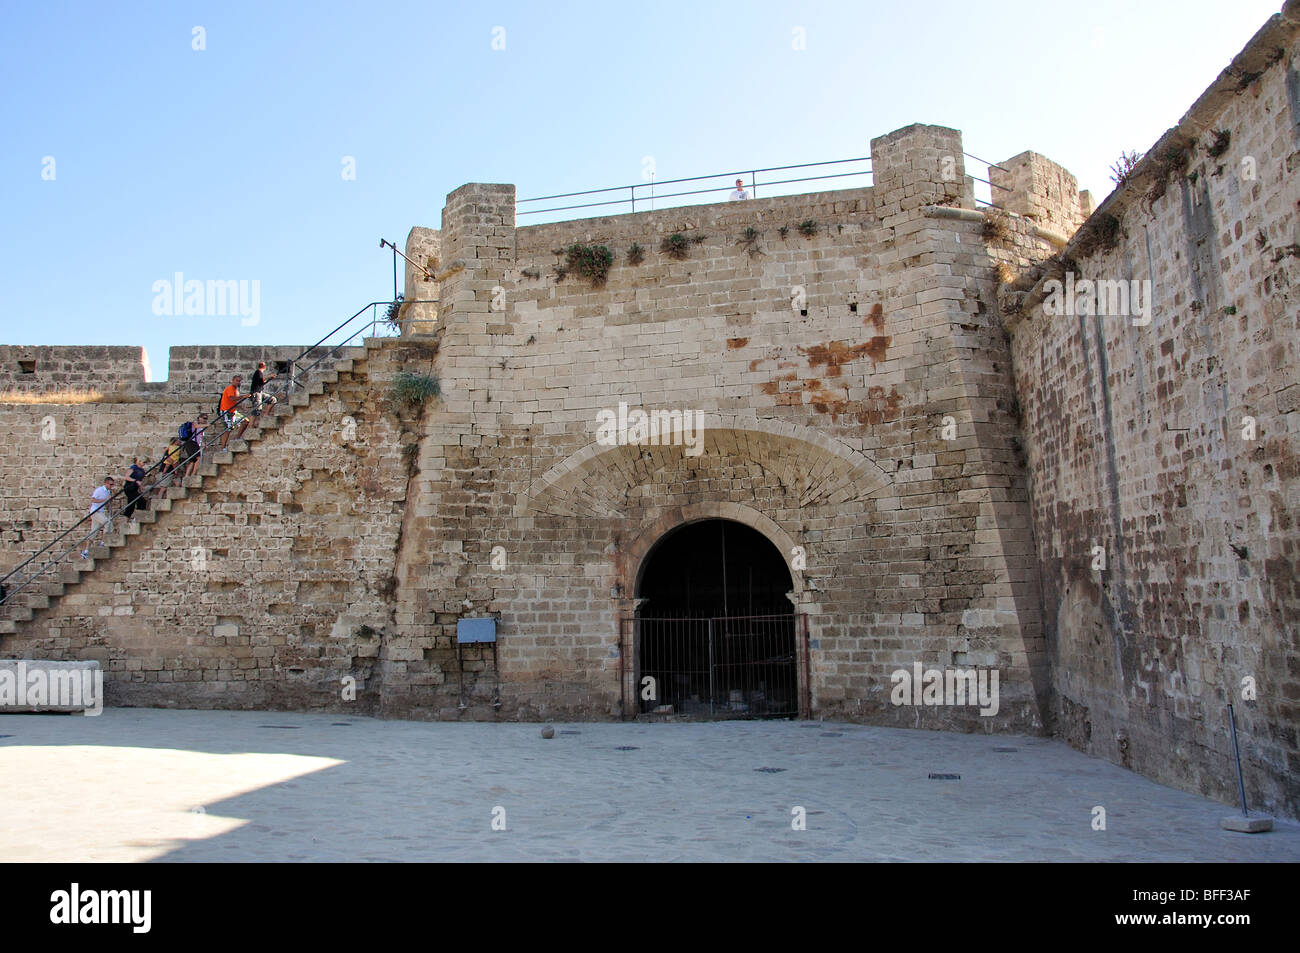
[1036,188]
[29,368]
[1173,446]
[827,364]
[424,247]
[268,587]
[58,453]
[204,371]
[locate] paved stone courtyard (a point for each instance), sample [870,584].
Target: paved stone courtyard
[148,784]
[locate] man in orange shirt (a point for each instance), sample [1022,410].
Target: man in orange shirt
[229,415]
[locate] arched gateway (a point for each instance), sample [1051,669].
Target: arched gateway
[715,634]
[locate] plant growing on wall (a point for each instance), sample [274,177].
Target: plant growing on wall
[1123,167]
[808,228]
[997,227]
[675,245]
[749,241]
[393,316]
[635,254]
[590,261]
[783,231]
[1222,139]
[1172,162]
[411,391]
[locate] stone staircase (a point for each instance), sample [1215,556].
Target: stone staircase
[23,606]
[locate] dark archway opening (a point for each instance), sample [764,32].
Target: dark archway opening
[716,632]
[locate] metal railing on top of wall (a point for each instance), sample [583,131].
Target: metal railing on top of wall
[649,190]
[649,193]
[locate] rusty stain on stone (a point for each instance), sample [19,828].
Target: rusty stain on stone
[835,354]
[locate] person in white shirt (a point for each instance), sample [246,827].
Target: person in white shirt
[740,192]
[101,519]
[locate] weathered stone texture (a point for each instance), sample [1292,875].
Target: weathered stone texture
[1138,442]
[266,587]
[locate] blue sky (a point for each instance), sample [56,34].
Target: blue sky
[226,163]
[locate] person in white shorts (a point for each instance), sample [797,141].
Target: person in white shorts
[101,517]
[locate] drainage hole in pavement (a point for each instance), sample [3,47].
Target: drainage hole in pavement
[945,777]
[770,770]
[627,748]
[280,726]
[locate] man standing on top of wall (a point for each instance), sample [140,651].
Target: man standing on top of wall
[740,193]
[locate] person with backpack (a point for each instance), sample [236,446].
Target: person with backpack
[189,437]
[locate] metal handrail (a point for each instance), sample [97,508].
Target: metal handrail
[297,377]
[752,173]
[632,195]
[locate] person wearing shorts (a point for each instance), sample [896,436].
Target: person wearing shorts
[206,437]
[255,389]
[231,417]
[101,517]
[190,449]
[171,459]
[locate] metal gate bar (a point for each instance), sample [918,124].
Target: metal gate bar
[721,667]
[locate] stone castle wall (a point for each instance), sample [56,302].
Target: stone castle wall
[59,452]
[268,587]
[826,365]
[122,371]
[1138,442]
[885,395]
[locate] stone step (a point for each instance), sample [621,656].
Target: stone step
[354,353]
[299,400]
[8,626]
[330,377]
[20,613]
[222,457]
[51,587]
[193,482]
[177,493]
[147,516]
[343,366]
[315,387]
[209,470]
[37,600]
[237,446]
[161,506]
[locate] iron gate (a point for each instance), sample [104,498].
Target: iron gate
[726,667]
